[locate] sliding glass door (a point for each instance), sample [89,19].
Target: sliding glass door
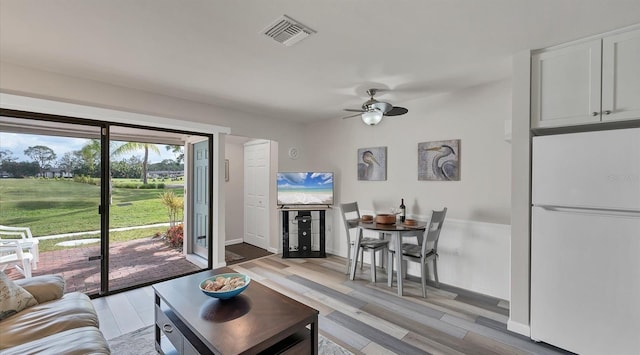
[106,202]
[50,182]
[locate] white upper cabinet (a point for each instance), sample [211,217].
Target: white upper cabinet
[588,82]
[621,76]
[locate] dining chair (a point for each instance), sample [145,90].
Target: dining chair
[425,250]
[351,217]
[11,254]
[26,239]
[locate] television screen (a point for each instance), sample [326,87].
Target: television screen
[308,188]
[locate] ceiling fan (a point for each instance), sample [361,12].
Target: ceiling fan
[373,110]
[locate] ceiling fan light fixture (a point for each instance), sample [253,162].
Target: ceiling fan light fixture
[372,117]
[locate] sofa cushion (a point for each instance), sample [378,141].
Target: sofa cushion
[13,298]
[73,310]
[80,341]
[44,288]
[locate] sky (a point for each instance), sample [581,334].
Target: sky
[17,143]
[309,180]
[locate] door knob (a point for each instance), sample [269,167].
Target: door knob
[607,112]
[594,113]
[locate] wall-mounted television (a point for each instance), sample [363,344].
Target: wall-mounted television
[309,188]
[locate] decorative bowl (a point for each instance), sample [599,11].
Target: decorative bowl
[223,295]
[410,222]
[367,218]
[384,218]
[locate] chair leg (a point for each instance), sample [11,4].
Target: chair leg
[423,279]
[361,259]
[27,269]
[348,258]
[435,271]
[373,266]
[390,269]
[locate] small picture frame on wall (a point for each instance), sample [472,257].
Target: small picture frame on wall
[439,160]
[372,164]
[226,170]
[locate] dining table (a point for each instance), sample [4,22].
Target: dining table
[397,231]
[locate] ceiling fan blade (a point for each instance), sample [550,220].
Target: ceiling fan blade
[353,110]
[357,114]
[396,111]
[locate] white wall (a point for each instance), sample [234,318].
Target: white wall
[475,240]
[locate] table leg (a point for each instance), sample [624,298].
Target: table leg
[398,259]
[314,336]
[157,329]
[355,249]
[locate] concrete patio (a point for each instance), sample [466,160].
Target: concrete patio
[132,262]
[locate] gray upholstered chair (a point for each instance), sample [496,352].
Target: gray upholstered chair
[425,250]
[351,217]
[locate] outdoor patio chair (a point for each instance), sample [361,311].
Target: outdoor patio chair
[11,254]
[26,239]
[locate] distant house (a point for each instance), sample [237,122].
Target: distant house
[55,173]
[165,174]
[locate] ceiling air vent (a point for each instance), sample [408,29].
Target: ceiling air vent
[288,31]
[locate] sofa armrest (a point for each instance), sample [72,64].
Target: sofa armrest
[44,288]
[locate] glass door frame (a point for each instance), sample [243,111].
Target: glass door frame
[103,209]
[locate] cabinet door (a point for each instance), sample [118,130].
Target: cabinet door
[621,76]
[565,85]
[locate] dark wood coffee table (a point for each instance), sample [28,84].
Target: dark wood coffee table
[259,320]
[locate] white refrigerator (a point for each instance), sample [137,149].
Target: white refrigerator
[585,241]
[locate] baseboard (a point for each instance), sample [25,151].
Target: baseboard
[233,241]
[273,250]
[519,328]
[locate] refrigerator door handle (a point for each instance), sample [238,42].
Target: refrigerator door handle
[589,210]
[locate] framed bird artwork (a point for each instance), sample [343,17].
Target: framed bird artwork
[372,164]
[439,160]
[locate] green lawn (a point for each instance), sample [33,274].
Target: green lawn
[61,206]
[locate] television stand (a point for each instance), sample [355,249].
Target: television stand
[304,221]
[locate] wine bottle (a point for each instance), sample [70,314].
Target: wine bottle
[403,211]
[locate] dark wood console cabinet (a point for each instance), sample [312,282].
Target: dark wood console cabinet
[304,221]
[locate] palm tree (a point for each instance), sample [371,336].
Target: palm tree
[130,147]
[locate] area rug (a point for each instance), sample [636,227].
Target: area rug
[230,256]
[142,342]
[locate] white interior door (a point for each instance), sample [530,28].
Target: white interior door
[200,199]
[256,193]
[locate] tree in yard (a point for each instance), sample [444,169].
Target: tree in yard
[177,150]
[174,205]
[69,162]
[130,147]
[126,168]
[6,155]
[20,168]
[41,154]
[90,155]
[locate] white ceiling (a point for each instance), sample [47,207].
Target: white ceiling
[213,51]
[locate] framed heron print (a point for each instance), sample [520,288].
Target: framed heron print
[439,160]
[372,164]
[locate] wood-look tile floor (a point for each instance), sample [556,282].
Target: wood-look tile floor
[363,317]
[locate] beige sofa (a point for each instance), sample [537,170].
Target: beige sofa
[58,324]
